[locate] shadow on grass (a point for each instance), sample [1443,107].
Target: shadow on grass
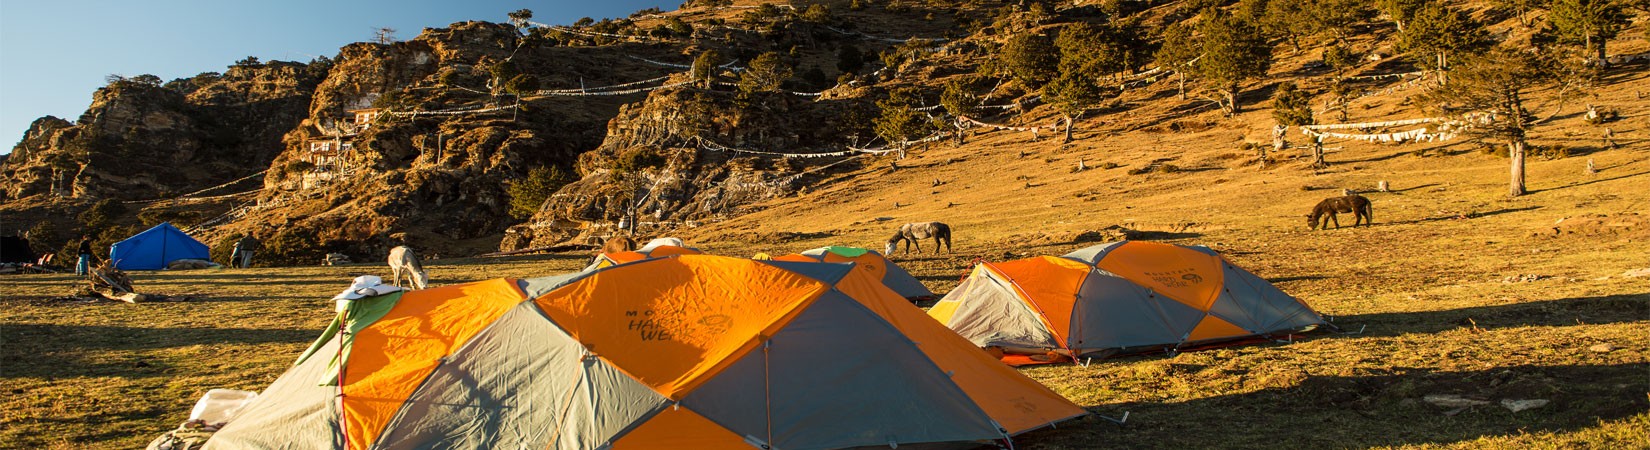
[1600,180]
[1562,312]
[1295,278]
[59,351]
[1411,188]
[1384,409]
[1473,215]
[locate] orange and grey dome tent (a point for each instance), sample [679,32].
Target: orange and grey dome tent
[616,258]
[878,266]
[685,352]
[1120,297]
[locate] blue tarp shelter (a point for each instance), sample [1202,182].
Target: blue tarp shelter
[156,247]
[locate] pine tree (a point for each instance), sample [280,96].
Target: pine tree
[960,101]
[764,74]
[1291,20]
[528,194]
[1234,51]
[1400,11]
[1589,22]
[899,122]
[704,67]
[1291,107]
[1071,94]
[1031,58]
[1436,32]
[1086,54]
[1338,16]
[1180,48]
[1523,8]
[521,17]
[1487,92]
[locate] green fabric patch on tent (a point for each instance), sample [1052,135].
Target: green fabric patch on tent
[359,314]
[851,252]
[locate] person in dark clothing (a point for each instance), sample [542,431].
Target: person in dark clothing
[241,256]
[83,264]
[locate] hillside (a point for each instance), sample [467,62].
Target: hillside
[420,140]
[1458,289]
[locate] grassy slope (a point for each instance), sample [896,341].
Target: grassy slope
[1427,281]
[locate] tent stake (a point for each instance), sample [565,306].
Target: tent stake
[1114,420]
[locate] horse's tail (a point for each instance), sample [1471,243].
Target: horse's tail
[1369,212]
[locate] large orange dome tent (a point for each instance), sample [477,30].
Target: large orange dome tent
[1120,297]
[691,351]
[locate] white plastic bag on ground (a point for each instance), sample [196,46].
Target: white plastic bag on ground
[219,405]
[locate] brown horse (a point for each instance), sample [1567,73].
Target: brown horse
[911,232]
[1356,204]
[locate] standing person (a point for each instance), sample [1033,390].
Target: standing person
[83,264]
[243,250]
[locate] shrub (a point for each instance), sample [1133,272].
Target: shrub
[221,249]
[527,194]
[101,215]
[849,59]
[289,247]
[180,219]
[638,159]
[42,234]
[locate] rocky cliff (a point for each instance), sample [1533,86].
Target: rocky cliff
[686,156]
[141,139]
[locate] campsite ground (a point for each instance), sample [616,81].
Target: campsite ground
[1429,285]
[1459,290]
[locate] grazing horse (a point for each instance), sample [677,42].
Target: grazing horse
[911,232]
[1355,204]
[403,260]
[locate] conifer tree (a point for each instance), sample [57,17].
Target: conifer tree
[1400,11]
[1436,32]
[520,17]
[960,101]
[764,74]
[1071,94]
[1234,51]
[1291,107]
[1589,22]
[1180,48]
[704,67]
[1030,58]
[899,122]
[1486,93]
[528,194]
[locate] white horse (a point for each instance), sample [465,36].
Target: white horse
[403,260]
[911,232]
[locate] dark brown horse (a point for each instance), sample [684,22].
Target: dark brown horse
[911,232]
[1356,204]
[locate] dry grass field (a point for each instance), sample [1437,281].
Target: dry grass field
[1459,290]
[1428,284]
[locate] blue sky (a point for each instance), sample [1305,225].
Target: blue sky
[54,53]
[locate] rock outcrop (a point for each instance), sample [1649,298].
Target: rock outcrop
[686,156]
[140,139]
